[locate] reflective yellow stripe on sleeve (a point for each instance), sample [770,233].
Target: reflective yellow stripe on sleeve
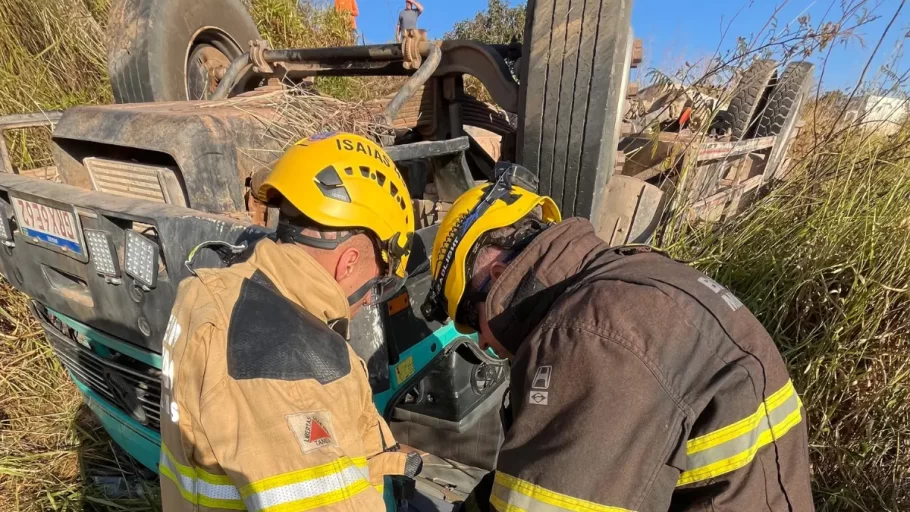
[512,494]
[361,462]
[198,486]
[734,446]
[306,489]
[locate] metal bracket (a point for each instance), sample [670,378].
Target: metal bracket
[257,57]
[427,149]
[450,168]
[484,63]
[410,47]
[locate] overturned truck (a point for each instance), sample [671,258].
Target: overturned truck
[100,247]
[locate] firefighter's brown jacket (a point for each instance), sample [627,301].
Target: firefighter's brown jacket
[638,383]
[264,406]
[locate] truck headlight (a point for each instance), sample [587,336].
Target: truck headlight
[102,252]
[141,259]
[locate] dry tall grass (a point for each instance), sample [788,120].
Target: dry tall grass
[824,262]
[51,57]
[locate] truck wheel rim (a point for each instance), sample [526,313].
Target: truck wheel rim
[208,57]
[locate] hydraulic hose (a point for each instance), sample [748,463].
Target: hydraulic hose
[414,83]
[238,68]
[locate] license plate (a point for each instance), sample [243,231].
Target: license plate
[53,226]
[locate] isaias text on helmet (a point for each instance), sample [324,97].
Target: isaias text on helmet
[350,145]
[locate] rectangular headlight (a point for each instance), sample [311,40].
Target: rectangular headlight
[102,252]
[140,260]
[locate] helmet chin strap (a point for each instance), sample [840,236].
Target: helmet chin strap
[290,233]
[361,292]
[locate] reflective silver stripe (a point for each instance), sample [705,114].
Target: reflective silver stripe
[312,488]
[199,487]
[746,441]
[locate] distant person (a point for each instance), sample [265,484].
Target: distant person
[348,7]
[407,19]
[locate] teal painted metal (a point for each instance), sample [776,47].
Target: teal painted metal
[127,349]
[414,359]
[142,443]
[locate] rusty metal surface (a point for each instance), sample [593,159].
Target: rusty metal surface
[411,47]
[632,211]
[724,202]
[257,50]
[705,177]
[647,151]
[215,145]
[638,53]
[484,63]
[718,150]
[414,83]
[17,121]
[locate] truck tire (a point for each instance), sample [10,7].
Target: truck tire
[573,78]
[786,97]
[168,50]
[782,113]
[750,97]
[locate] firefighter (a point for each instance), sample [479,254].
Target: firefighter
[637,382]
[265,406]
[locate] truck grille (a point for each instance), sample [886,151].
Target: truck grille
[129,385]
[138,181]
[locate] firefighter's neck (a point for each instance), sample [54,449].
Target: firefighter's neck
[351,264]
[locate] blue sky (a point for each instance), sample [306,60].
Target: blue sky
[684,30]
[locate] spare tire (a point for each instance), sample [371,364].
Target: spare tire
[573,78]
[750,96]
[170,50]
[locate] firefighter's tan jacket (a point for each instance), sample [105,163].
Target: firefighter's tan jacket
[264,406]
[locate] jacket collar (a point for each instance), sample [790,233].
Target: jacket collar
[524,293]
[301,279]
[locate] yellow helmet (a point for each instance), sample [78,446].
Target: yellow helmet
[478,211]
[346,181]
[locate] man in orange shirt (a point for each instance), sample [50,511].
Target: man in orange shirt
[350,7]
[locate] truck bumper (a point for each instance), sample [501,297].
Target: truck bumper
[140,442]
